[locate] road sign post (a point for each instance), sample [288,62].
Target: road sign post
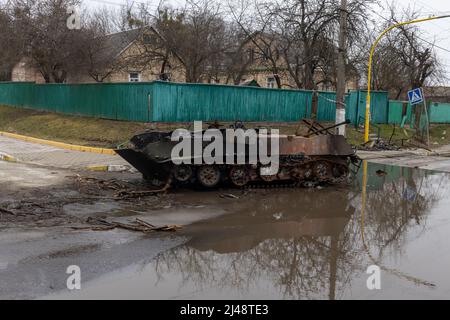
[417,98]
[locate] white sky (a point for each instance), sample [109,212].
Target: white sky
[437,32]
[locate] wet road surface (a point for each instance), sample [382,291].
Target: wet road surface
[266,244]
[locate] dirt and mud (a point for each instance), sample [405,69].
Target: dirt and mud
[43,197]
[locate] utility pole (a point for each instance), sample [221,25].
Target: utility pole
[342,56]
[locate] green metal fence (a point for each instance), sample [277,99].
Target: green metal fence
[355,108]
[179,102]
[110,101]
[174,102]
[378,107]
[395,112]
[439,113]
[326,106]
[161,101]
[16,93]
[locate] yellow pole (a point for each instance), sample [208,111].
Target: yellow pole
[369,74]
[363,200]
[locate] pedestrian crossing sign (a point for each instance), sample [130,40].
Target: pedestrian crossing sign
[415,96]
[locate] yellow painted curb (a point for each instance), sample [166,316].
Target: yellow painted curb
[7,158]
[58,144]
[98,168]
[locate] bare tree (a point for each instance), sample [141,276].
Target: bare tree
[239,56]
[300,36]
[10,44]
[259,26]
[50,45]
[195,34]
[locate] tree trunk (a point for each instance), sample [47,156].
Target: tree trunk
[340,85]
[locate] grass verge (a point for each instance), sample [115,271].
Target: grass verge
[83,131]
[104,133]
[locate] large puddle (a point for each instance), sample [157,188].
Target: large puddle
[307,244]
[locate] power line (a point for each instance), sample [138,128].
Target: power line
[433,12]
[426,5]
[426,41]
[433,44]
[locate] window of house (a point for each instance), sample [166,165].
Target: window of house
[147,39]
[271,82]
[165,76]
[134,77]
[251,55]
[266,53]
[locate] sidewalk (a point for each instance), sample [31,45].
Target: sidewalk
[437,160]
[27,152]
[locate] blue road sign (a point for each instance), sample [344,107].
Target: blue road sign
[415,96]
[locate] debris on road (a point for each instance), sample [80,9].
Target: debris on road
[125,194]
[228,195]
[124,190]
[2,210]
[379,145]
[111,184]
[138,225]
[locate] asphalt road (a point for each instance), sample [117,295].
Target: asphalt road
[38,240]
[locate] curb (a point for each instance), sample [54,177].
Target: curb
[7,158]
[109,168]
[58,144]
[104,168]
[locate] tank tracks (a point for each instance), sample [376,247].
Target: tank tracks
[294,172]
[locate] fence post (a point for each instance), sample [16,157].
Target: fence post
[314,103]
[149,99]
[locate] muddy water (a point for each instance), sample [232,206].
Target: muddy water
[307,244]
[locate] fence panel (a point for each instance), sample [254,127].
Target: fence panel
[440,113]
[117,101]
[326,107]
[395,112]
[17,93]
[175,102]
[355,103]
[378,107]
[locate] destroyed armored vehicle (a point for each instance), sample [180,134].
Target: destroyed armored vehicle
[318,157]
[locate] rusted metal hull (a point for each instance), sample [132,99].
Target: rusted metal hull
[322,158]
[324,145]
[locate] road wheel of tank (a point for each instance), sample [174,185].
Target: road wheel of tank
[267,177]
[308,172]
[208,176]
[340,172]
[183,173]
[302,172]
[270,178]
[322,170]
[239,176]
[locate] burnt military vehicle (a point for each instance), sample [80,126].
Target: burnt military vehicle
[318,157]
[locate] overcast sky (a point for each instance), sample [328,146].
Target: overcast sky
[437,32]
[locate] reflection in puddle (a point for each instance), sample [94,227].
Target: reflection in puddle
[306,244]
